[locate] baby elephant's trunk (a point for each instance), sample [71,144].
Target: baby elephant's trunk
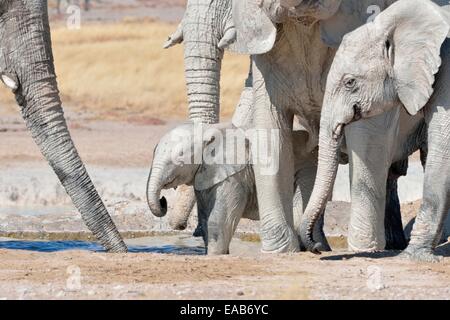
[154,185]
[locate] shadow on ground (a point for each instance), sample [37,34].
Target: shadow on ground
[443,250]
[57,246]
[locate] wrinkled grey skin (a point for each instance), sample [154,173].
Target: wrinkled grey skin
[375,144]
[27,69]
[224,193]
[398,64]
[292,52]
[202,17]
[206,29]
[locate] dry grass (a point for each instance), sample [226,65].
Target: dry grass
[120,71]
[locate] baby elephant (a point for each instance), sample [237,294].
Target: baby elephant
[225,192]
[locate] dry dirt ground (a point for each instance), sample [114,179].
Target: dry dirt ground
[25,275]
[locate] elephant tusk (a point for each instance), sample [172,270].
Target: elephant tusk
[338,130]
[10,81]
[175,38]
[228,38]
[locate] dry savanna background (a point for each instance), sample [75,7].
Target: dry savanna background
[118,69]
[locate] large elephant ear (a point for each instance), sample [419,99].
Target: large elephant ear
[417,30]
[351,15]
[255,32]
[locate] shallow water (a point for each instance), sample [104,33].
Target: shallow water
[179,245]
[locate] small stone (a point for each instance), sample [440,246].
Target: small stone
[240,293]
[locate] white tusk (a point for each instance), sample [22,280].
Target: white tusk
[175,38]
[228,38]
[10,82]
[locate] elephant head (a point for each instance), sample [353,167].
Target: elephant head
[179,159]
[27,68]
[169,169]
[389,62]
[256,21]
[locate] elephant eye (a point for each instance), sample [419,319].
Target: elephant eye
[350,83]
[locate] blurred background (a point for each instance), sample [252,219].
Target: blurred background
[111,64]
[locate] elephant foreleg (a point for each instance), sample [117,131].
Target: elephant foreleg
[393,226]
[370,145]
[220,210]
[274,179]
[428,227]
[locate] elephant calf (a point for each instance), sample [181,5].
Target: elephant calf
[225,192]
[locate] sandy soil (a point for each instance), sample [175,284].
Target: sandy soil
[76,274]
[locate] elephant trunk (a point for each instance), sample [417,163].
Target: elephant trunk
[326,176]
[183,208]
[154,186]
[207,28]
[29,65]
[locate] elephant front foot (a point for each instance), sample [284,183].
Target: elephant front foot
[217,250]
[420,255]
[279,240]
[323,246]
[320,238]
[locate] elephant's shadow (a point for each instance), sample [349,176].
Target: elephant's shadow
[443,250]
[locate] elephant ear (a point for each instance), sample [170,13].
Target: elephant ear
[417,30]
[212,174]
[350,15]
[255,32]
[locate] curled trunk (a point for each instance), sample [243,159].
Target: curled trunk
[323,186]
[154,186]
[27,47]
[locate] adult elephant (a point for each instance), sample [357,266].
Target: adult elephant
[207,28]
[27,68]
[402,80]
[292,44]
